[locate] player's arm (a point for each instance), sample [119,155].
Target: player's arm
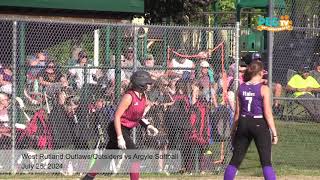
[293,89]
[265,77]
[315,89]
[148,106]
[124,104]
[315,86]
[43,82]
[151,130]
[145,122]
[265,91]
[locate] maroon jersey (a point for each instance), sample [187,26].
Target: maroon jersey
[134,113]
[251,100]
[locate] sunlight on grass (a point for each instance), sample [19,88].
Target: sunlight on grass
[297,153]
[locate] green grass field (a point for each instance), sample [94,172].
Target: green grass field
[297,156]
[297,153]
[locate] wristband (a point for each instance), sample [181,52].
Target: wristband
[144,122]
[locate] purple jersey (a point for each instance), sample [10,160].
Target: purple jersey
[250,99]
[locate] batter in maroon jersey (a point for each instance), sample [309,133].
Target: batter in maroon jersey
[129,114]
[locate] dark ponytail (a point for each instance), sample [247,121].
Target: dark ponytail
[253,69]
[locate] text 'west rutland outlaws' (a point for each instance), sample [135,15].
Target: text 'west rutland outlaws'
[135,156]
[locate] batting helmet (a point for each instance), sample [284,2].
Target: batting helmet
[140,80]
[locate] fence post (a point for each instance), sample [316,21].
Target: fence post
[118,65]
[14,86]
[135,47]
[107,45]
[136,50]
[237,55]
[165,48]
[21,65]
[145,46]
[270,51]
[96,47]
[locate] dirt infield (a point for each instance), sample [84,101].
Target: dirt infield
[158,178]
[221,177]
[240,178]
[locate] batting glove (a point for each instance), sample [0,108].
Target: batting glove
[121,142]
[152,131]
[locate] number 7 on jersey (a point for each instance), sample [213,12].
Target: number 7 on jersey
[249,99]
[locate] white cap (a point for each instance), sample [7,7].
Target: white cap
[203,55]
[204,64]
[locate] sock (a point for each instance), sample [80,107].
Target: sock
[89,176]
[268,173]
[230,172]
[135,171]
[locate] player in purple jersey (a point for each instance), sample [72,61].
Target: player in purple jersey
[128,115]
[276,86]
[253,119]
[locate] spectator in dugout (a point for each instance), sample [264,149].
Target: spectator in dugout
[5,79]
[180,62]
[231,81]
[176,120]
[108,79]
[42,58]
[74,56]
[149,62]
[197,131]
[99,117]
[110,74]
[78,73]
[316,72]
[128,61]
[304,86]
[5,121]
[207,83]
[49,75]
[277,87]
[37,63]
[4,104]
[61,121]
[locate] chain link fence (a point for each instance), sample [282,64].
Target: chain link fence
[296,54]
[62,81]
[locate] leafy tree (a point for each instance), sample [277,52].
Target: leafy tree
[180,12]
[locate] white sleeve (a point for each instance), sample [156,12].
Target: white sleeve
[110,74]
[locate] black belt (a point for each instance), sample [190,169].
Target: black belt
[255,117]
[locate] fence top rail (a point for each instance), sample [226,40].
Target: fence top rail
[122,68]
[295,99]
[96,22]
[305,28]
